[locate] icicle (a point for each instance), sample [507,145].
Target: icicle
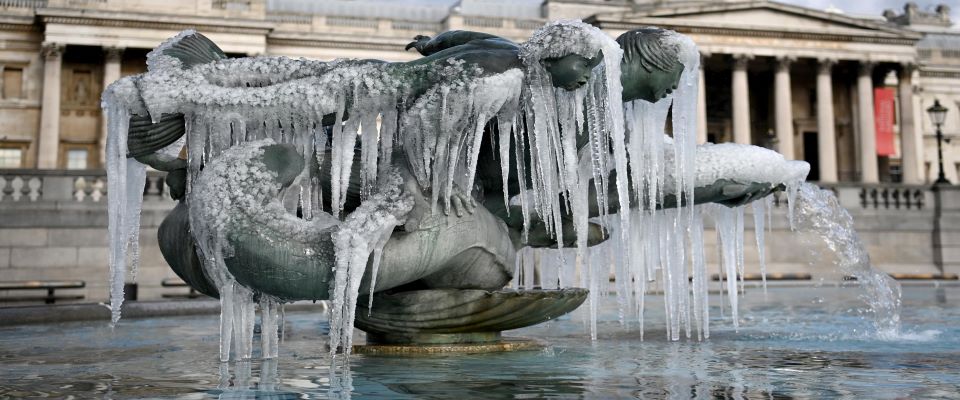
[792,188]
[504,129]
[701,291]
[375,268]
[726,225]
[759,213]
[368,153]
[125,182]
[268,326]
[359,235]
[739,246]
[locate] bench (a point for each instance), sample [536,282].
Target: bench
[50,286]
[914,277]
[795,276]
[178,283]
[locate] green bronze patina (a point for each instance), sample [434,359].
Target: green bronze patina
[441,276]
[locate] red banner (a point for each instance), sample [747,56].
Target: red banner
[883,116]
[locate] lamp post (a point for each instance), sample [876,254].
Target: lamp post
[938,114]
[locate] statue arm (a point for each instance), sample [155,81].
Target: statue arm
[427,45]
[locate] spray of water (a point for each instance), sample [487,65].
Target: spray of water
[817,211]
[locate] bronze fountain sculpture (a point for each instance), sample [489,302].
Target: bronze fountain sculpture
[396,180]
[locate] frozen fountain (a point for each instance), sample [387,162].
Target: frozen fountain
[407,193]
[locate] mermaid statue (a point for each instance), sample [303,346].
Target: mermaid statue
[414,184]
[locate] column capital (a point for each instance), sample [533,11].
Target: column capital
[51,50]
[704,55]
[866,67]
[740,60]
[783,62]
[112,53]
[908,67]
[825,65]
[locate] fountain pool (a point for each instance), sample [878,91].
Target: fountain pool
[793,342]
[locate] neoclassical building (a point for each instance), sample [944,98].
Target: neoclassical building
[846,93]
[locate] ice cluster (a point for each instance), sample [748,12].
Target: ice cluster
[434,118]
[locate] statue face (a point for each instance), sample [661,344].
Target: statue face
[571,71]
[638,83]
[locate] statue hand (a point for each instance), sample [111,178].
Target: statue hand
[460,202]
[734,194]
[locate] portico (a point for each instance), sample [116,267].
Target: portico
[797,80]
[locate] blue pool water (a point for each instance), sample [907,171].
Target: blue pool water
[807,342]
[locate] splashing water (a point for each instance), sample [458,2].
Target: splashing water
[819,212]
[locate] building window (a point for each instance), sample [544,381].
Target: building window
[12,83]
[77,159]
[11,158]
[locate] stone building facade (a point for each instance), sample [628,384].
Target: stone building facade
[800,80]
[848,94]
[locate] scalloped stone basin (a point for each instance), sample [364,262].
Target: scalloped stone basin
[444,316]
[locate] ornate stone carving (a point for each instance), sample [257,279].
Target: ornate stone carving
[113,54]
[825,65]
[51,50]
[740,61]
[783,62]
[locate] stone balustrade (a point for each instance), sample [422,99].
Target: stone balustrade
[25,185]
[53,226]
[858,197]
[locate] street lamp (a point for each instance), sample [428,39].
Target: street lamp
[938,114]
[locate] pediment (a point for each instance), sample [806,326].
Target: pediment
[761,16]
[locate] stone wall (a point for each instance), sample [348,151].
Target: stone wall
[53,226]
[56,229]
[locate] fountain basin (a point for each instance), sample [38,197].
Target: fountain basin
[448,316]
[800,342]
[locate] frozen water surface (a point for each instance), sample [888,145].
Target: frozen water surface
[806,342]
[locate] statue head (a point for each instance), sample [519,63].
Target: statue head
[572,70]
[651,65]
[566,52]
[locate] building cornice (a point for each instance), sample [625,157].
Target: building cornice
[154,21]
[326,41]
[709,8]
[939,74]
[19,27]
[688,28]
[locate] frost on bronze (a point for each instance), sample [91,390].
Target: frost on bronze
[411,194]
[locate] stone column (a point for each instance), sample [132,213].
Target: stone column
[868,129]
[784,107]
[49,141]
[909,140]
[741,99]
[702,103]
[111,72]
[826,136]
